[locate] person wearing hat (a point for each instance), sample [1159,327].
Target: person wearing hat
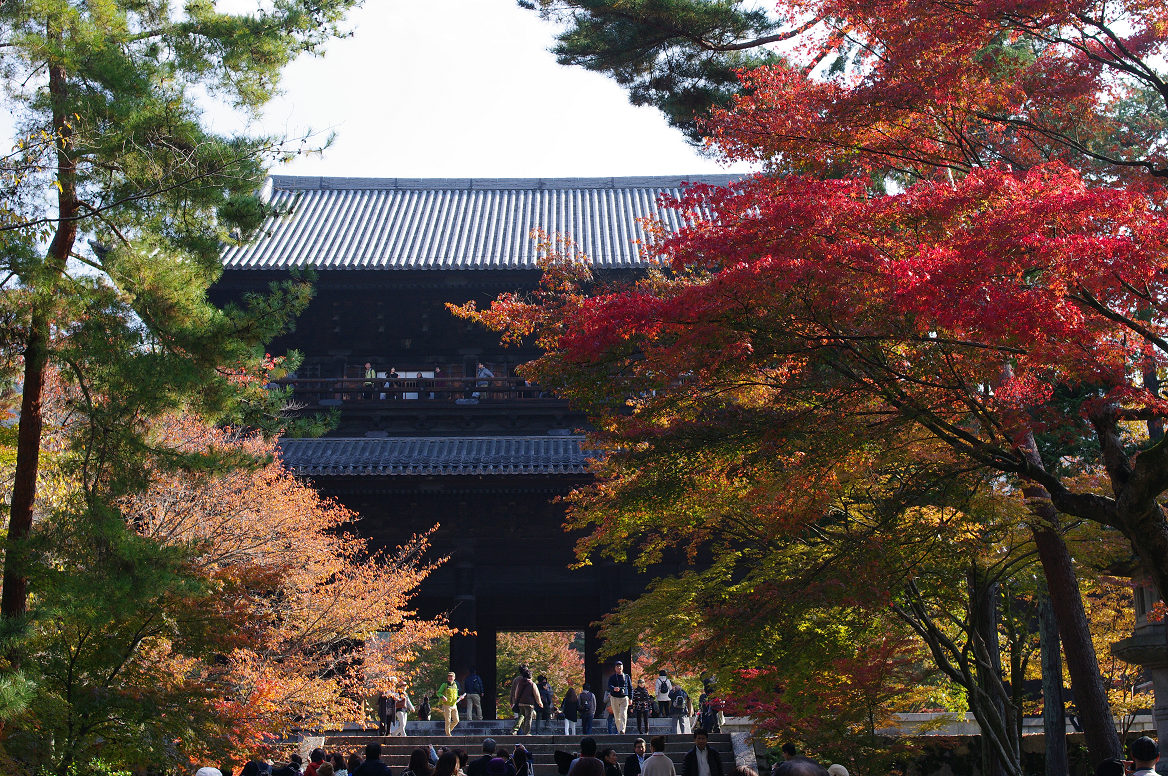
[208,771]
[619,690]
[1144,753]
[448,700]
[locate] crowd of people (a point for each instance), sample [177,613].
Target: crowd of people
[532,701]
[590,760]
[701,760]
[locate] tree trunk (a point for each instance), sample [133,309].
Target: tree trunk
[1053,707]
[13,601]
[983,606]
[14,597]
[1067,603]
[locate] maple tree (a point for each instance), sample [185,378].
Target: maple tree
[1005,300]
[962,308]
[809,616]
[551,653]
[266,615]
[832,84]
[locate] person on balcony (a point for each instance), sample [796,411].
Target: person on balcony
[484,376]
[370,375]
[390,386]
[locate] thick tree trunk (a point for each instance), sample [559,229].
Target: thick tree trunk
[1067,603]
[14,597]
[1054,722]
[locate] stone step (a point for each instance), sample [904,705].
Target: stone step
[396,750]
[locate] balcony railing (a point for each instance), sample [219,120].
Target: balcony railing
[381,391]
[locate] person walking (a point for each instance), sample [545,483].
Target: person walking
[642,706]
[404,707]
[702,760]
[386,711]
[545,697]
[709,710]
[587,703]
[474,694]
[448,700]
[619,690]
[524,700]
[681,708]
[663,686]
[570,707]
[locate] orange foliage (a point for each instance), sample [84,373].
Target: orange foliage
[547,653]
[310,620]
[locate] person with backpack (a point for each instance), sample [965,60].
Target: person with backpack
[681,708]
[448,699]
[587,705]
[404,707]
[525,699]
[710,709]
[663,688]
[474,695]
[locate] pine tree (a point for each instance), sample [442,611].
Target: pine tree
[118,199]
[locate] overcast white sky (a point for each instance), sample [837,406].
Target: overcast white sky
[467,88]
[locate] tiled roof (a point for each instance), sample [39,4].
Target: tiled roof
[435,455]
[441,223]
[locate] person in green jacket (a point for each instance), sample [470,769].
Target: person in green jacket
[448,700]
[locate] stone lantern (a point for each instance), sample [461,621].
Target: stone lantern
[1148,647]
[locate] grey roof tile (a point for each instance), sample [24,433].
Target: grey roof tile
[418,456]
[454,223]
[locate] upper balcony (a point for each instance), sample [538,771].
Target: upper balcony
[382,406]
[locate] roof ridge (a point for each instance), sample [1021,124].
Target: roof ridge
[338,183]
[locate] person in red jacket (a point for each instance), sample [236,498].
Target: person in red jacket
[315,758]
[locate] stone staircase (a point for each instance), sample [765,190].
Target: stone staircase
[395,750]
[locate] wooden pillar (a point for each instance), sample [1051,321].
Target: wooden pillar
[593,669]
[464,616]
[486,648]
